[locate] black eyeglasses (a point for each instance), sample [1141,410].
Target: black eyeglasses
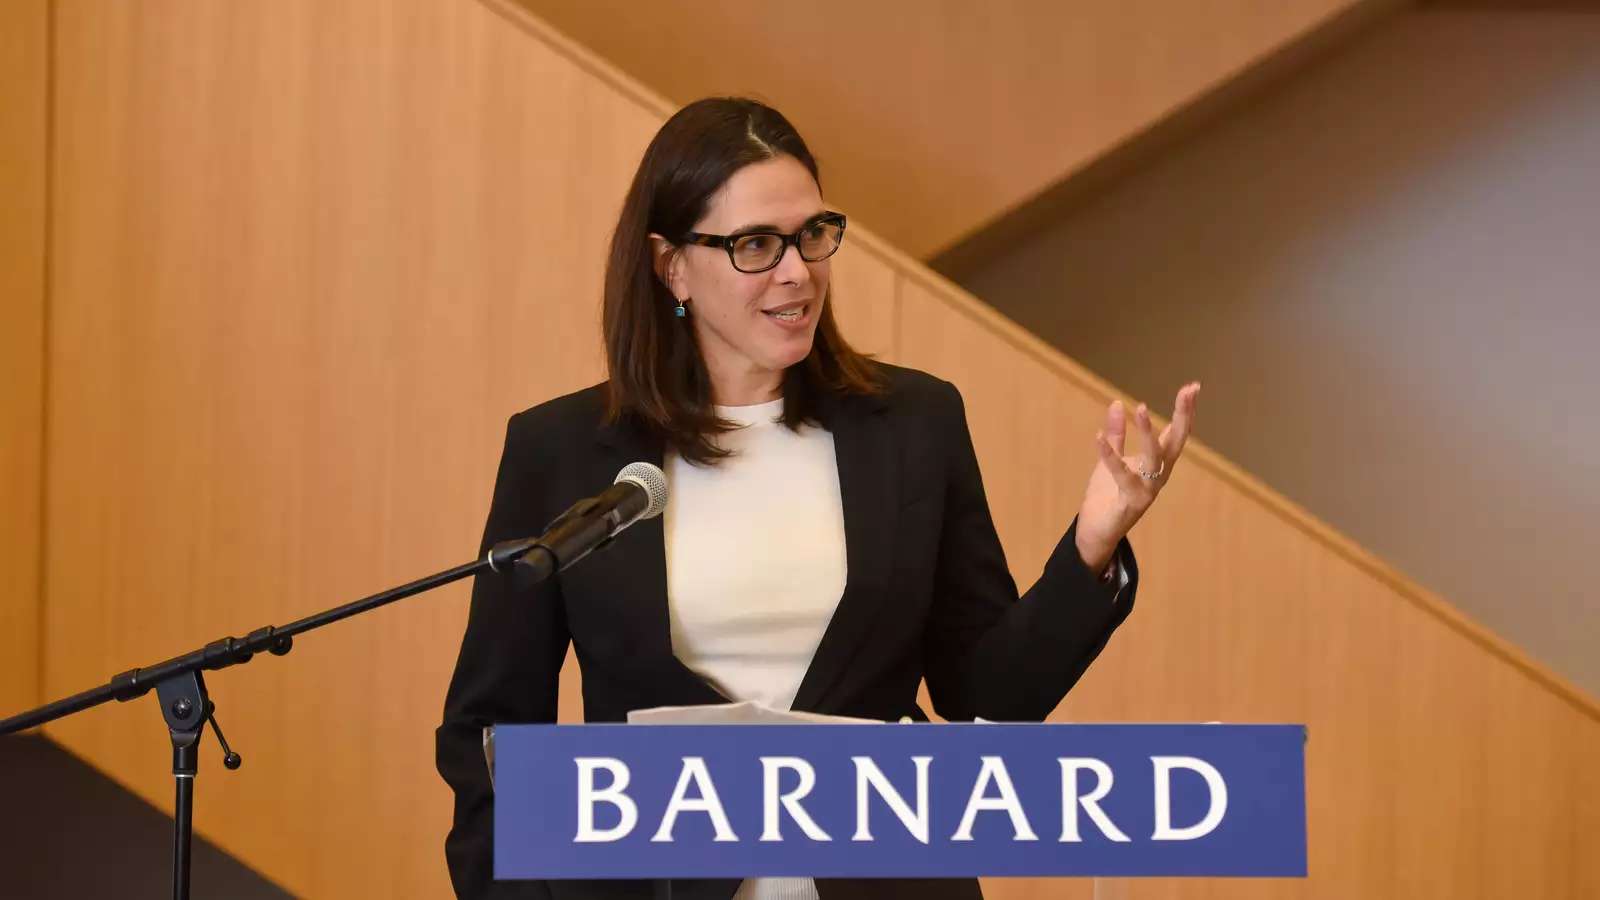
[758,251]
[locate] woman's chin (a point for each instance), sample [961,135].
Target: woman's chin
[790,354]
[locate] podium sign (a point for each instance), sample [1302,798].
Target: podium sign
[869,801]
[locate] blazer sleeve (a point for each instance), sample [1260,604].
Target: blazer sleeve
[507,671]
[988,652]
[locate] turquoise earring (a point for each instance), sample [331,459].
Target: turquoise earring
[680,312]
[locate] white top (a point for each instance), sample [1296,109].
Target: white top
[755,555]
[755,568]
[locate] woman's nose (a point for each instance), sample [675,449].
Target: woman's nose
[791,268]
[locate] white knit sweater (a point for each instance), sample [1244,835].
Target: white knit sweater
[755,568]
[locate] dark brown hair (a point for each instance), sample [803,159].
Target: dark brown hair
[656,373]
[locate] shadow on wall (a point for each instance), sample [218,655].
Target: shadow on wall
[67,831]
[1383,270]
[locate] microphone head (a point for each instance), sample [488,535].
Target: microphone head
[652,481]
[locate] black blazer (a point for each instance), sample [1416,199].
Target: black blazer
[928,596]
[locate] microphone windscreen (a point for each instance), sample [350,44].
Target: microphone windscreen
[652,481]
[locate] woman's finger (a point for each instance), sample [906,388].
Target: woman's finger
[1116,426]
[1149,450]
[1176,434]
[1125,477]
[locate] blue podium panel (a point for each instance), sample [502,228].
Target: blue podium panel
[866,801]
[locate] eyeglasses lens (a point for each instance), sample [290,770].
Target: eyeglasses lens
[758,252]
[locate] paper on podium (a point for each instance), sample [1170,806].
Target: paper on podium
[746,712]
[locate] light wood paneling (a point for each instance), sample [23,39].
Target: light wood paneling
[312,255]
[865,300]
[932,120]
[1346,285]
[24,60]
[307,257]
[1428,737]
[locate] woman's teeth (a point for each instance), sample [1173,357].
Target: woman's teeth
[789,315]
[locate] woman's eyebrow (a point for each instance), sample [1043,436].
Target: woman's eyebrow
[764,226]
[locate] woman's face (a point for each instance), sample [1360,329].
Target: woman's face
[751,326]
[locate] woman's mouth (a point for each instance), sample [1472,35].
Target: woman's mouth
[791,315]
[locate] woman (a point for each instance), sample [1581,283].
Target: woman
[827,545]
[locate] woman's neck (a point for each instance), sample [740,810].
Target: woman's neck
[747,388]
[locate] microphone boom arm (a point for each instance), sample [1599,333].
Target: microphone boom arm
[186,706]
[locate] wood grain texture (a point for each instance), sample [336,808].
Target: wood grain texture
[307,258]
[934,119]
[312,255]
[24,85]
[1424,746]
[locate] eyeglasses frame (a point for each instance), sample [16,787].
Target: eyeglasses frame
[726,241]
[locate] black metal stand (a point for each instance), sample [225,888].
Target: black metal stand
[183,704]
[187,708]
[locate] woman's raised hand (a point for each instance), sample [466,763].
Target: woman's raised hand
[1122,487]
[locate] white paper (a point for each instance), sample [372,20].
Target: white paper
[744,713]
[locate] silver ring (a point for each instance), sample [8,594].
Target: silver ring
[1152,476]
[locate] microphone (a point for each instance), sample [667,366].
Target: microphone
[639,492]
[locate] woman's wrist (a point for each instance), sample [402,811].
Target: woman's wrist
[1096,558]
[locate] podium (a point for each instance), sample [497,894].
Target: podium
[898,801]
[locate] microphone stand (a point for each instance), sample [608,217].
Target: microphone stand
[187,708]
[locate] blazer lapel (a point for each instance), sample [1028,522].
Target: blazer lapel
[869,489]
[633,571]
[630,575]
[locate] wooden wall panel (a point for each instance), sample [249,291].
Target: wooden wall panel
[24,62]
[1427,737]
[313,255]
[933,119]
[308,256]
[864,299]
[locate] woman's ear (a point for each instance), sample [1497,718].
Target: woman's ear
[668,264]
